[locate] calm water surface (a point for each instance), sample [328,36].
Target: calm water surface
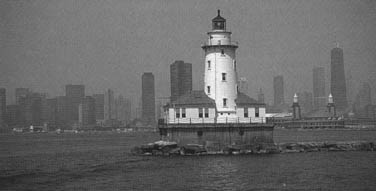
[101,161]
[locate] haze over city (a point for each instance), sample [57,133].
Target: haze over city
[109,44]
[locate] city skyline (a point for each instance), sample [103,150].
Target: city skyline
[103,50]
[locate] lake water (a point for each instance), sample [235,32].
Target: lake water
[101,161]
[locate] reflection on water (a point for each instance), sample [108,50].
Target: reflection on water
[103,162]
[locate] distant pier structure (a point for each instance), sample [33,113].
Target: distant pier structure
[218,116]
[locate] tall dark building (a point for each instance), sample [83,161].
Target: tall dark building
[337,79]
[87,111]
[109,105]
[148,98]
[13,115]
[21,92]
[319,96]
[3,106]
[31,109]
[362,100]
[99,106]
[62,115]
[305,102]
[74,94]
[50,107]
[181,79]
[279,98]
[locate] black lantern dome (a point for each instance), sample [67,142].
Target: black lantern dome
[219,23]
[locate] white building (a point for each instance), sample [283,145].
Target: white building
[220,101]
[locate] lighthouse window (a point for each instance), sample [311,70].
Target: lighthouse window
[200,112]
[245,112]
[224,102]
[208,88]
[209,64]
[206,112]
[183,112]
[235,64]
[223,76]
[257,113]
[222,52]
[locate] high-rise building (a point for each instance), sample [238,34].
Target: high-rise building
[21,92]
[305,102]
[279,98]
[50,110]
[109,105]
[319,96]
[337,79]
[181,79]
[99,106]
[87,111]
[362,100]
[123,109]
[3,105]
[31,109]
[13,114]
[74,94]
[148,98]
[62,116]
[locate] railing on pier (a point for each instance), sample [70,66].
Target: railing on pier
[220,120]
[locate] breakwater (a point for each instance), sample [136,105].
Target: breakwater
[163,148]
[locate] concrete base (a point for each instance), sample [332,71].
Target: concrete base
[219,137]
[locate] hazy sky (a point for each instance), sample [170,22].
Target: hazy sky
[110,43]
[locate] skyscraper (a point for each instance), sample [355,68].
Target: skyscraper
[99,106]
[31,109]
[362,100]
[319,96]
[279,98]
[3,105]
[62,115]
[181,78]
[74,94]
[305,101]
[109,105]
[148,98]
[21,92]
[87,111]
[337,79]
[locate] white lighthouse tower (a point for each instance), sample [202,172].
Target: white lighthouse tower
[220,69]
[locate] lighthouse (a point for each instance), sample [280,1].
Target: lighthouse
[220,69]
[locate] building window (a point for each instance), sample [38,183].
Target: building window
[208,88]
[177,111]
[219,42]
[245,112]
[223,76]
[224,102]
[200,112]
[257,113]
[183,113]
[234,64]
[222,52]
[209,65]
[206,112]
